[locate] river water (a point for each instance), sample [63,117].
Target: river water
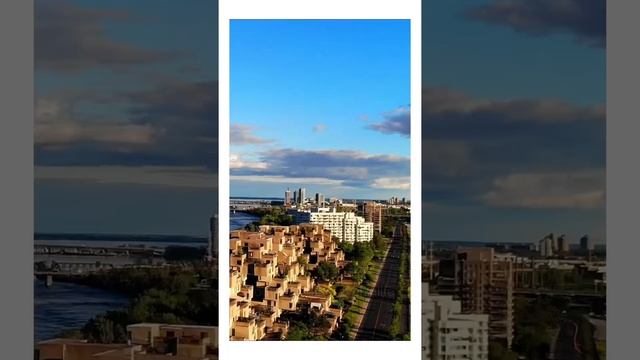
[66,306]
[239,219]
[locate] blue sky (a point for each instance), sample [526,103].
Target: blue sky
[327,88]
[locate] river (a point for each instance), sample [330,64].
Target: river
[239,219]
[67,306]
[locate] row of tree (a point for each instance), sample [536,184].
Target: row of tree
[269,216]
[164,295]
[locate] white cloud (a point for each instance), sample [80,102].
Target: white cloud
[570,190]
[279,179]
[319,128]
[174,176]
[397,121]
[396,183]
[444,104]
[241,134]
[237,162]
[55,126]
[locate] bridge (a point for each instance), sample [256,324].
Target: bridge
[97,250]
[240,205]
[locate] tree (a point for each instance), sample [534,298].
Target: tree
[499,352]
[347,248]
[253,227]
[350,268]
[327,271]
[343,332]
[303,262]
[378,241]
[362,252]
[299,331]
[326,290]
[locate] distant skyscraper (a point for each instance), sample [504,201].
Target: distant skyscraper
[287,197]
[585,243]
[546,246]
[301,195]
[563,244]
[212,250]
[319,199]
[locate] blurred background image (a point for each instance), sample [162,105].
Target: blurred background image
[126,164]
[513,179]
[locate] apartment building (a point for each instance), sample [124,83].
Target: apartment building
[288,197]
[146,341]
[346,226]
[269,275]
[483,282]
[547,246]
[448,334]
[371,211]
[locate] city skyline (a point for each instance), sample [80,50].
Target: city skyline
[322,103]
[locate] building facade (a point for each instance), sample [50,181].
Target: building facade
[146,341]
[269,276]
[302,196]
[372,212]
[288,197]
[483,282]
[449,334]
[346,226]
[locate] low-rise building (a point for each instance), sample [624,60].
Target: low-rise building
[146,341]
[269,276]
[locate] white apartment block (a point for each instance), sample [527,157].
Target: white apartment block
[449,335]
[345,225]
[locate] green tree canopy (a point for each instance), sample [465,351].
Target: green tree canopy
[327,271]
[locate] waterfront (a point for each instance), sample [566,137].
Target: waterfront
[239,219]
[67,306]
[117,243]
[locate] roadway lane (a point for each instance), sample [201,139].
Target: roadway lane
[377,319]
[567,347]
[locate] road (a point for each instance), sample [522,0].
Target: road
[377,319]
[567,347]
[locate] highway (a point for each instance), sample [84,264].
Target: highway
[379,315]
[567,346]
